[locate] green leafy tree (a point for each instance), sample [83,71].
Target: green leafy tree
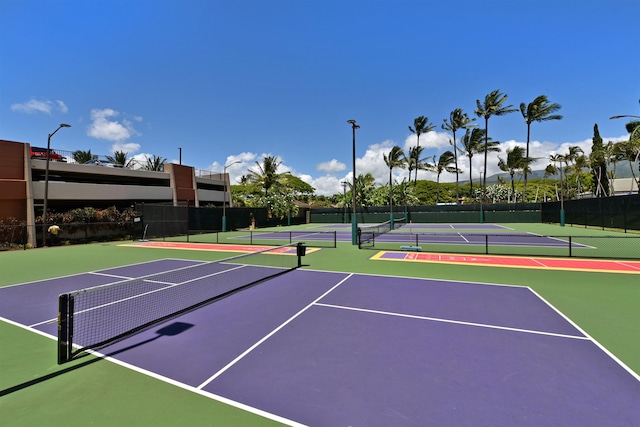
[539,110]
[472,144]
[81,157]
[421,125]
[515,162]
[365,186]
[155,163]
[120,158]
[266,173]
[558,159]
[492,106]
[395,159]
[457,120]
[446,163]
[630,151]
[414,160]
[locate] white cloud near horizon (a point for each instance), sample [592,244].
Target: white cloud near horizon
[372,161]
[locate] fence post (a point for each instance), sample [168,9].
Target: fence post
[570,246]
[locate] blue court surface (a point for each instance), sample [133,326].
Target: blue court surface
[337,349]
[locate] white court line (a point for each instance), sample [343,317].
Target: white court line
[457,322]
[628,265]
[250,349]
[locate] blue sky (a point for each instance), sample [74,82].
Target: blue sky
[234,80]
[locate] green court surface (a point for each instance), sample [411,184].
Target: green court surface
[35,390]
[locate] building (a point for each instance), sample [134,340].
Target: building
[23,184]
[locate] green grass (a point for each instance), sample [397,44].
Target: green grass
[104,393]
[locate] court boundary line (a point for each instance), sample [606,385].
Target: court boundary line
[270,334]
[455,322]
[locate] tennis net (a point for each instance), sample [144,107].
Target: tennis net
[367,233]
[94,317]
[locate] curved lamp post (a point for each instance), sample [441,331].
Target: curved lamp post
[354,218]
[46,185]
[224,203]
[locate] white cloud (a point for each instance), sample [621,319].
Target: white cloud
[437,140]
[327,185]
[125,147]
[62,107]
[104,126]
[35,106]
[331,166]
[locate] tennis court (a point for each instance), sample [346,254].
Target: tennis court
[329,345]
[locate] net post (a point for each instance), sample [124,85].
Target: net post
[65,325]
[570,246]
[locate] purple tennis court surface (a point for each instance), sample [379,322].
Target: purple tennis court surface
[336,349]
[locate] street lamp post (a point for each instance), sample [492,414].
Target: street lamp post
[224,203]
[354,218]
[46,185]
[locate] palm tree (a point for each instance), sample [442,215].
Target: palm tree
[630,151]
[396,158]
[472,144]
[558,158]
[444,164]
[492,106]
[539,110]
[421,125]
[266,175]
[424,165]
[413,161]
[82,156]
[574,163]
[516,161]
[120,158]
[365,186]
[457,120]
[155,163]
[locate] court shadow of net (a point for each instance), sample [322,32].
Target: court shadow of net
[170,330]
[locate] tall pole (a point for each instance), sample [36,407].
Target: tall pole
[354,218]
[46,185]
[224,202]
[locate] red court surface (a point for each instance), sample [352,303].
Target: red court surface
[604,266]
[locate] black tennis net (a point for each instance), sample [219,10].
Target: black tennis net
[94,317]
[368,233]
